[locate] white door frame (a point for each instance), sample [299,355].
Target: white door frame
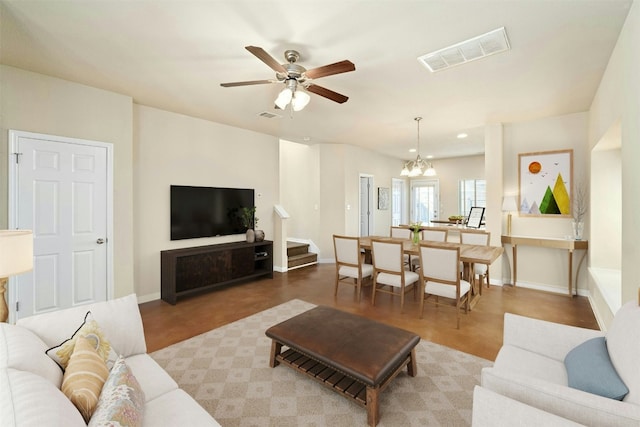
[14,135]
[360,203]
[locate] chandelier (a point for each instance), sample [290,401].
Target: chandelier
[418,166]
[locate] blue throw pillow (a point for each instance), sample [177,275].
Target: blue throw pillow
[589,369]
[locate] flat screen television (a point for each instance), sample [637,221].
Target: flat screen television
[208,211]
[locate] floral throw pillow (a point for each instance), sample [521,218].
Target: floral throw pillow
[90,330]
[122,400]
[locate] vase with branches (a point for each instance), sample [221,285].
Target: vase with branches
[415,229]
[580,207]
[250,221]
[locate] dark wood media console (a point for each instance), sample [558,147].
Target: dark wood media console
[193,270]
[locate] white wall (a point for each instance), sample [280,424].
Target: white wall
[175,149]
[618,99]
[300,188]
[37,103]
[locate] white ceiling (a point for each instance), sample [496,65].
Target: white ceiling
[173,55]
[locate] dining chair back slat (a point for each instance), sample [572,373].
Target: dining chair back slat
[478,238]
[440,277]
[388,270]
[350,267]
[435,235]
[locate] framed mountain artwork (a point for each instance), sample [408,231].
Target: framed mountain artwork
[545,180]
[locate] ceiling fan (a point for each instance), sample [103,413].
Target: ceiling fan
[294,75]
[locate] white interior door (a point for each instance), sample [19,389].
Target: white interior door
[61,190]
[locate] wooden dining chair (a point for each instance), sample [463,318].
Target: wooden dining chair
[350,267]
[431,236]
[440,278]
[477,238]
[402,233]
[389,273]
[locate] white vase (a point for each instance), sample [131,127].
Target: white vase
[578,228]
[259,235]
[251,235]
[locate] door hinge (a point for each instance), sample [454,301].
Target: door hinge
[17,156]
[17,305]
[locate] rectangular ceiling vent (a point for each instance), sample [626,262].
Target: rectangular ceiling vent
[269,115]
[469,50]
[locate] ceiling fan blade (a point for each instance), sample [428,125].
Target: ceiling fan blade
[329,94]
[251,82]
[266,58]
[331,69]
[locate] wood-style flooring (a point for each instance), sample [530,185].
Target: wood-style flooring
[480,330]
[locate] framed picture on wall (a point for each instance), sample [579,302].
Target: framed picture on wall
[545,180]
[383,198]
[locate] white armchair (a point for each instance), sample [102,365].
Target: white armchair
[530,368]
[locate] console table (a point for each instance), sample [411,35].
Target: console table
[569,245]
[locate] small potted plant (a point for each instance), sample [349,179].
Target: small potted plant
[250,220]
[415,228]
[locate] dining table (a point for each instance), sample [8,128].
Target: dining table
[469,255]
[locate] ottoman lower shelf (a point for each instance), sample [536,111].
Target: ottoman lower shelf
[339,382]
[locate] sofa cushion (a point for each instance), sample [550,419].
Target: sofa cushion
[516,360]
[577,405]
[84,377]
[27,399]
[623,343]
[154,380]
[119,319]
[23,350]
[589,369]
[121,400]
[176,408]
[89,329]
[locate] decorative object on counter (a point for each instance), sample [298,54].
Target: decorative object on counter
[509,204]
[580,206]
[250,221]
[415,232]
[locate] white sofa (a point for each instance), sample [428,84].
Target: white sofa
[530,368]
[30,380]
[491,409]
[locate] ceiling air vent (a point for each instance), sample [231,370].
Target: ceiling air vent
[469,50]
[269,115]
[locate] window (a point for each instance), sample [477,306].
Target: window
[425,203]
[471,192]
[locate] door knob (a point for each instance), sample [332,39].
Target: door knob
[100,241]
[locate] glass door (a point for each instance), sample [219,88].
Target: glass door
[425,201]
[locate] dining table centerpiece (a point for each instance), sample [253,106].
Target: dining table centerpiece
[415,232]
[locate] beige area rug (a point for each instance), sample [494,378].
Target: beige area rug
[227,371]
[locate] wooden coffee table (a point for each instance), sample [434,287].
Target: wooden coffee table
[350,354]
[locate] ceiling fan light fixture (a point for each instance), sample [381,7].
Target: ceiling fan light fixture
[300,100]
[284,98]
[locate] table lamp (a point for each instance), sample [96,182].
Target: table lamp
[16,256]
[509,205]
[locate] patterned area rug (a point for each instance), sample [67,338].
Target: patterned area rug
[227,371]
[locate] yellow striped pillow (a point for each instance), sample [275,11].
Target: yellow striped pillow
[84,377]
